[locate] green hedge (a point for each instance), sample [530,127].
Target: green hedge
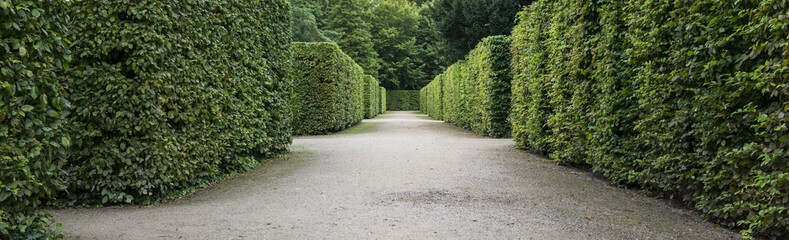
[475,92]
[687,97]
[372,104]
[402,100]
[329,89]
[434,96]
[449,87]
[423,95]
[382,99]
[423,99]
[164,105]
[33,134]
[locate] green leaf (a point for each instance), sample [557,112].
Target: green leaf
[35,152]
[65,141]
[4,195]
[27,108]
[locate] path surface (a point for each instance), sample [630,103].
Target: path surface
[401,176]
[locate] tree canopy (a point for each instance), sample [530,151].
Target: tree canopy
[403,43]
[461,24]
[395,23]
[307,23]
[351,17]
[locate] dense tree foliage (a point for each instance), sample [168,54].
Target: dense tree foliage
[428,41]
[351,18]
[403,43]
[308,21]
[307,29]
[394,26]
[463,23]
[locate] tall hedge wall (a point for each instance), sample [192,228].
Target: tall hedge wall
[372,96]
[686,97]
[173,94]
[402,100]
[382,99]
[475,92]
[449,88]
[33,106]
[430,98]
[329,89]
[422,97]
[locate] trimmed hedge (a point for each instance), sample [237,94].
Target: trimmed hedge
[372,100]
[382,99]
[175,94]
[402,100]
[33,135]
[474,93]
[329,89]
[688,98]
[450,95]
[425,104]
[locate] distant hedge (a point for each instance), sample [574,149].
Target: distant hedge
[174,94]
[686,97]
[383,99]
[329,89]
[475,92]
[402,100]
[33,106]
[372,98]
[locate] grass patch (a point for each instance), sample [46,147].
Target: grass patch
[360,128]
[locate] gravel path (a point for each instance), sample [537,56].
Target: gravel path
[401,176]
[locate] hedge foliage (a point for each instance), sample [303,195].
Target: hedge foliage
[172,94]
[328,90]
[33,109]
[372,97]
[431,98]
[402,100]
[474,93]
[382,98]
[687,97]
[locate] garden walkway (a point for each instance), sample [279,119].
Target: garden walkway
[401,176]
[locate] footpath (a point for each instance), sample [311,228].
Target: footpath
[401,176]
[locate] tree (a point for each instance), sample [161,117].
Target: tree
[463,23]
[307,22]
[350,17]
[305,27]
[395,24]
[430,45]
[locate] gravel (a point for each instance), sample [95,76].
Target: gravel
[401,176]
